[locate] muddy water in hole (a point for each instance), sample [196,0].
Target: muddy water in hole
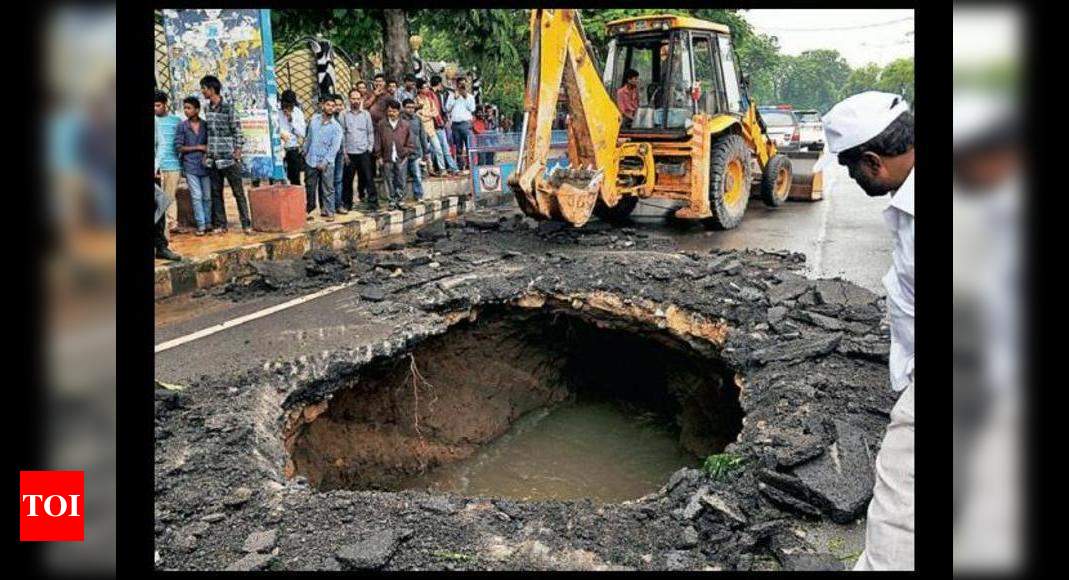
[592,449]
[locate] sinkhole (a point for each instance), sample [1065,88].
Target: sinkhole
[525,403]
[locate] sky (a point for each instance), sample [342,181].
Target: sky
[860,36]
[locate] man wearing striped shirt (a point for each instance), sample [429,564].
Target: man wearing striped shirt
[224,154]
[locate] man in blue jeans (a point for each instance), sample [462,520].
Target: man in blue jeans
[461,108]
[421,148]
[191,143]
[339,161]
[321,145]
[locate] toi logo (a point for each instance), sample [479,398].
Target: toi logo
[50,506]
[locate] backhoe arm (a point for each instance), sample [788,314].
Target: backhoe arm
[560,57]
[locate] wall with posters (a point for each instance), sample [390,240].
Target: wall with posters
[236,46]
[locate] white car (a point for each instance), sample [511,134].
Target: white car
[810,129]
[782,127]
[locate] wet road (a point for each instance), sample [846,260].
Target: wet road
[843,235]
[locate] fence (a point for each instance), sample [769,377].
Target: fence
[490,173]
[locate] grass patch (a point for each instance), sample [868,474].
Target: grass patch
[721,465]
[835,545]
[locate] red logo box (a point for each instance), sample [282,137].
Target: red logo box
[51,506]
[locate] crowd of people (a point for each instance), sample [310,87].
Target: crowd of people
[398,133]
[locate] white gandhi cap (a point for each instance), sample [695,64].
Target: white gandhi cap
[856,119]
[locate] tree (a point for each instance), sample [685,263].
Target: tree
[897,77]
[861,80]
[763,64]
[396,53]
[813,79]
[496,43]
[356,31]
[492,41]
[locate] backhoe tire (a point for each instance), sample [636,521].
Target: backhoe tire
[776,180]
[729,181]
[618,212]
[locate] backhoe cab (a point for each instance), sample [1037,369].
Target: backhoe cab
[695,136]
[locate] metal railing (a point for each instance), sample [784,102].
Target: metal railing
[485,145]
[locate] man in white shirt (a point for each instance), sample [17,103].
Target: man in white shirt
[871,134]
[291,130]
[461,109]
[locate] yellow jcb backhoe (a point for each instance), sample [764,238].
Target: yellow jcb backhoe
[695,136]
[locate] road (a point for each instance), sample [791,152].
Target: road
[843,235]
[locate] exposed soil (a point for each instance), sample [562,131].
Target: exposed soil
[809,356]
[454,392]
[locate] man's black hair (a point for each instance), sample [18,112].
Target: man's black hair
[326,98]
[212,82]
[161,97]
[354,90]
[389,81]
[393,104]
[420,83]
[410,77]
[436,80]
[630,74]
[379,76]
[192,101]
[408,102]
[893,141]
[337,97]
[288,97]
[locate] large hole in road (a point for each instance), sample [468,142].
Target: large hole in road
[525,404]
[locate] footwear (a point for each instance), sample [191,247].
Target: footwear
[200,232]
[221,232]
[167,254]
[310,217]
[322,214]
[329,218]
[342,211]
[248,231]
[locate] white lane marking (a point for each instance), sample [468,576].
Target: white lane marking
[249,317]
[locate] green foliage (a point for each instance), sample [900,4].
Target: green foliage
[862,79]
[897,77]
[355,30]
[492,41]
[721,465]
[814,79]
[496,43]
[1000,76]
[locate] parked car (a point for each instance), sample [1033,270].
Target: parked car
[810,129]
[782,127]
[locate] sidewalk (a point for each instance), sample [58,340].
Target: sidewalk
[217,259]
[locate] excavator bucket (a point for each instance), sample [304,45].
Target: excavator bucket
[564,194]
[806,185]
[563,65]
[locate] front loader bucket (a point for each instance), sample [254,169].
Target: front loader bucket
[567,195]
[805,184]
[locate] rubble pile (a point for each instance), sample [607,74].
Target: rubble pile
[810,361]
